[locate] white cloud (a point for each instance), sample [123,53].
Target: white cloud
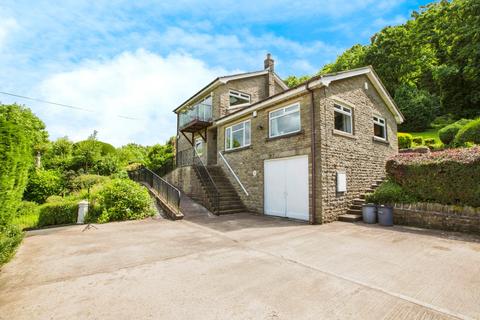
[6,27]
[139,84]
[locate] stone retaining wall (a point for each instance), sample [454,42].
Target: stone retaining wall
[438,216]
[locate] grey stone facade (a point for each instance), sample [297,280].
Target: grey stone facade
[359,155]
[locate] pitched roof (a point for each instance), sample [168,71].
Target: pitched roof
[319,81]
[223,80]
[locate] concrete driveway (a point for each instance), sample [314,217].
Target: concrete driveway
[241,267]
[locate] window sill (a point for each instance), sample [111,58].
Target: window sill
[380,140]
[344,134]
[238,149]
[288,135]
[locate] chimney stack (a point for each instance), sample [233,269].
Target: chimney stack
[269,64]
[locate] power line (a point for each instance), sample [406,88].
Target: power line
[62,105]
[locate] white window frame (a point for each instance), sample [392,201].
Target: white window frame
[227,147]
[337,107]
[197,140]
[378,121]
[270,118]
[238,94]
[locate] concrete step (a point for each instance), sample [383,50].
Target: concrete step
[354,211]
[350,217]
[356,207]
[231,211]
[358,201]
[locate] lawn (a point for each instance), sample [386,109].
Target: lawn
[428,134]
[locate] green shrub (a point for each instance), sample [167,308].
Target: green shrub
[417,105]
[450,176]
[430,142]
[390,193]
[468,133]
[86,181]
[43,184]
[57,213]
[418,141]
[442,121]
[120,199]
[26,216]
[10,238]
[447,134]
[404,140]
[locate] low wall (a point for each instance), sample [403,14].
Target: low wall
[438,216]
[186,180]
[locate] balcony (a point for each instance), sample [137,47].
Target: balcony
[197,117]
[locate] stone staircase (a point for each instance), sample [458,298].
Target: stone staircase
[227,201]
[354,212]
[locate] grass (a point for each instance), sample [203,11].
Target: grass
[26,221]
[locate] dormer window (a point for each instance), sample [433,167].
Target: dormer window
[238,99]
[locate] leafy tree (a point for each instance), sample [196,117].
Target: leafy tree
[87,153]
[59,154]
[132,153]
[43,184]
[292,81]
[160,158]
[418,106]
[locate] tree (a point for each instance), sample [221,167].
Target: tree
[292,81]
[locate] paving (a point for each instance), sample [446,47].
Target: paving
[241,266]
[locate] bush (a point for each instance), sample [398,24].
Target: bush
[43,184]
[450,176]
[120,199]
[470,132]
[10,238]
[85,181]
[26,216]
[442,121]
[55,213]
[430,142]
[404,140]
[448,133]
[390,193]
[418,141]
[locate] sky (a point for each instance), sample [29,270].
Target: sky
[130,63]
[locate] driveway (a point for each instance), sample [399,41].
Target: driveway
[241,267]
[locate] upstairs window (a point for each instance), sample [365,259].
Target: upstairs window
[343,119]
[237,136]
[379,128]
[284,121]
[238,99]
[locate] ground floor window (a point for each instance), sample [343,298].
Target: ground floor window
[284,121]
[237,136]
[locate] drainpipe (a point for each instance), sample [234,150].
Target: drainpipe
[313,154]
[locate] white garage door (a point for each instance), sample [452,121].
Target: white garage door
[286,187]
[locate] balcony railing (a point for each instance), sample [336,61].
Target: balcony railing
[201,114]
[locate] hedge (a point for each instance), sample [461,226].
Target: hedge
[447,134]
[404,140]
[449,177]
[56,213]
[468,133]
[390,193]
[10,238]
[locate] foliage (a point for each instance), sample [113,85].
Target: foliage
[26,216]
[42,184]
[161,158]
[418,141]
[450,176]
[132,153]
[293,81]
[20,132]
[10,238]
[470,132]
[448,133]
[86,181]
[56,213]
[443,121]
[107,164]
[404,140]
[86,153]
[390,193]
[418,106]
[429,142]
[435,52]
[59,154]
[120,199]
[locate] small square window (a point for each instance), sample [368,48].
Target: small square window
[379,128]
[238,98]
[343,119]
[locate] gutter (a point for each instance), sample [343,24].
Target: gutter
[313,153]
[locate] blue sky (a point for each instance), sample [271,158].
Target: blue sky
[142,58]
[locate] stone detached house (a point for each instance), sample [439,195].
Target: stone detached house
[248,142]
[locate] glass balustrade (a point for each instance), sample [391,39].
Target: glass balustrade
[200,112]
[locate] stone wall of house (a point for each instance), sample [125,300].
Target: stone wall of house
[438,216]
[358,155]
[248,162]
[186,180]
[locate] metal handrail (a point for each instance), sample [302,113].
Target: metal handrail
[233,173]
[213,195]
[165,191]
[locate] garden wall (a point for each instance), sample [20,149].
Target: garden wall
[438,216]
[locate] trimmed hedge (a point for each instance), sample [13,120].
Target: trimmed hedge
[56,213]
[447,134]
[418,140]
[468,133]
[404,140]
[10,238]
[450,176]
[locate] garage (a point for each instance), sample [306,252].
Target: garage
[286,187]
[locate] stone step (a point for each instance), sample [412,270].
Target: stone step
[358,201]
[350,217]
[354,211]
[230,211]
[356,207]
